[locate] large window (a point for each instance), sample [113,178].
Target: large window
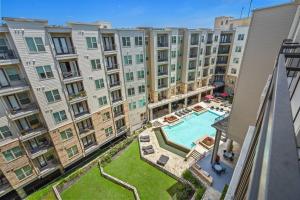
[12,154]
[35,44]
[12,73]
[241,36]
[99,83]
[126,41]
[66,134]
[173,39]
[44,72]
[96,64]
[102,101]
[138,41]
[23,172]
[141,89]
[141,74]
[72,151]
[129,76]
[238,49]
[128,60]
[52,96]
[139,58]
[131,91]
[4,132]
[60,116]
[132,105]
[91,42]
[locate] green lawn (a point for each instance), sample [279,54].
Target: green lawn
[150,182]
[93,186]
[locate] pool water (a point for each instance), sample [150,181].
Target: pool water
[191,128]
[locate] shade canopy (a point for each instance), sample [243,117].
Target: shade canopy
[224,94]
[209,96]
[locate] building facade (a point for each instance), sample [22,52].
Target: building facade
[68,90]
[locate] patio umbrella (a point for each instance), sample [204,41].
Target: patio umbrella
[224,94]
[209,96]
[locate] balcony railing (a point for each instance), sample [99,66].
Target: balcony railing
[162,44]
[71,74]
[70,50]
[162,73]
[119,113]
[81,113]
[7,54]
[28,107]
[162,59]
[85,129]
[270,167]
[111,47]
[115,100]
[114,84]
[162,86]
[112,67]
[194,42]
[192,67]
[121,129]
[77,95]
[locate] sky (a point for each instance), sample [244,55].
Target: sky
[133,13]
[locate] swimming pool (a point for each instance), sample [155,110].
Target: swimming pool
[191,128]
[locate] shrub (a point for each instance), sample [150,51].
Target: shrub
[187,175]
[182,191]
[199,193]
[224,192]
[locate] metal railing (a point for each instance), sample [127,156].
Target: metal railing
[79,94]
[70,50]
[71,74]
[112,67]
[7,54]
[111,47]
[271,167]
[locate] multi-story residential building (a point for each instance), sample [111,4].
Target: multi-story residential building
[68,90]
[265,112]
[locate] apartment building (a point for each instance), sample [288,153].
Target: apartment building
[68,90]
[265,112]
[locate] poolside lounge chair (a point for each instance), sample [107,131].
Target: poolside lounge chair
[148,151]
[162,160]
[178,114]
[217,108]
[188,109]
[145,138]
[147,147]
[212,107]
[185,111]
[182,113]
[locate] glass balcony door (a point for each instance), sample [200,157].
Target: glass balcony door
[3,79]
[69,69]
[62,45]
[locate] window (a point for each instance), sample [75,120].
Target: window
[139,58]
[23,172]
[138,41]
[99,83]
[142,102]
[173,39]
[131,91]
[96,64]
[202,38]
[66,134]
[141,89]
[172,79]
[91,42]
[173,54]
[106,116]
[102,101]
[200,61]
[238,49]
[12,154]
[214,50]
[126,41]
[178,66]
[201,51]
[233,70]
[241,36]
[59,116]
[179,53]
[44,72]
[216,38]
[35,44]
[12,73]
[212,61]
[52,96]
[129,76]
[132,105]
[108,131]
[180,39]
[128,60]
[72,151]
[141,74]
[4,132]
[236,60]
[173,66]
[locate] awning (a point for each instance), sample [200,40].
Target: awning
[209,96]
[224,94]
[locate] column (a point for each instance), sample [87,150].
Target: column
[185,102]
[229,145]
[21,192]
[216,147]
[199,97]
[170,107]
[151,114]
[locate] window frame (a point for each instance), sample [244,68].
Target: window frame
[35,45]
[62,115]
[53,96]
[43,67]
[92,43]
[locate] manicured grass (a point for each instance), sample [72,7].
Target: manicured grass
[150,182]
[93,186]
[45,193]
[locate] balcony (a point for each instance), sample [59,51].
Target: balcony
[111,68]
[114,84]
[32,132]
[8,57]
[122,129]
[80,95]
[162,40]
[51,166]
[71,76]
[86,129]
[70,53]
[162,73]
[162,59]
[118,113]
[14,87]
[40,150]
[194,39]
[162,86]
[109,43]
[269,166]
[116,99]
[23,111]
[111,47]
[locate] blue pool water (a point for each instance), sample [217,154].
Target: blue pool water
[191,128]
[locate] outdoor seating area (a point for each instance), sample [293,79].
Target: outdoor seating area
[162,160]
[228,155]
[148,149]
[170,119]
[183,112]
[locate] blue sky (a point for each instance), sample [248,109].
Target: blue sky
[123,13]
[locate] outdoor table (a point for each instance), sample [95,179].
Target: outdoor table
[228,155]
[218,167]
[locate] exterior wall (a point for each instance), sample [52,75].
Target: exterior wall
[267,30]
